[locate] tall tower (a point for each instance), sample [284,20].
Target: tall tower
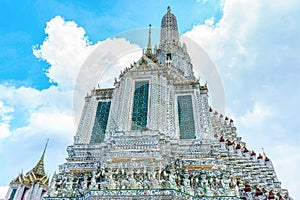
[169,29]
[30,186]
[154,136]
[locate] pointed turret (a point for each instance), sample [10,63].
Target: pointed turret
[149,48]
[39,171]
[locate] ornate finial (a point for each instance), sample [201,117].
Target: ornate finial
[169,9]
[264,153]
[149,49]
[45,147]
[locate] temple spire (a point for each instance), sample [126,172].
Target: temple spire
[39,169]
[149,49]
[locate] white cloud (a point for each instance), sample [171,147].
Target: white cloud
[4,130]
[49,122]
[3,190]
[226,40]
[210,22]
[65,49]
[285,156]
[31,99]
[5,118]
[256,117]
[4,112]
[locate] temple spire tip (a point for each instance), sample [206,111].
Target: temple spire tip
[149,48]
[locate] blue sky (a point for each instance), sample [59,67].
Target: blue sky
[254,45]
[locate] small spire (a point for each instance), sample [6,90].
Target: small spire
[264,153]
[149,49]
[43,155]
[39,170]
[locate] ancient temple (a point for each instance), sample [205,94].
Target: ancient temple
[155,136]
[33,185]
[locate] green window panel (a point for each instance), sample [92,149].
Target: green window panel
[12,194]
[140,105]
[100,123]
[186,117]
